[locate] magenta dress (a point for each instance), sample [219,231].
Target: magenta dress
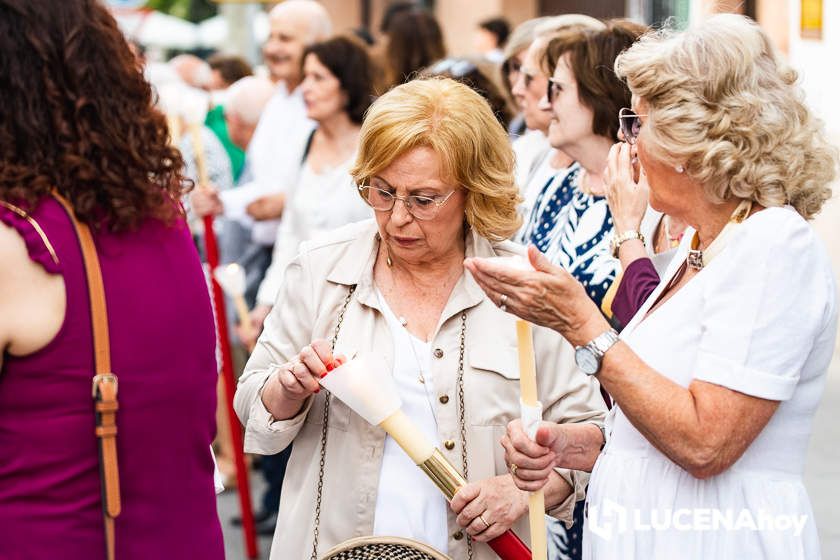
[163,353]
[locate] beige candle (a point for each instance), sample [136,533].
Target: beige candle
[409,437]
[528,389]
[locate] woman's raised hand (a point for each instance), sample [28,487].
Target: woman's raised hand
[547,296]
[627,197]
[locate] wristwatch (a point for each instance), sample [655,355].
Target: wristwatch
[620,238]
[588,358]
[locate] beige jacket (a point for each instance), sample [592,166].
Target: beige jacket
[315,288]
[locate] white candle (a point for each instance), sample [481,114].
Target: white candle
[406,433]
[528,390]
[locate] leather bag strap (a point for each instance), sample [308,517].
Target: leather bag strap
[104,383]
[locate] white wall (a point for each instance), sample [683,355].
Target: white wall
[818,63]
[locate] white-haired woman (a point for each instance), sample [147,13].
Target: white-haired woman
[718,375]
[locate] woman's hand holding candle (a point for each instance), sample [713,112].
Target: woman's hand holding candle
[293,382]
[571,446]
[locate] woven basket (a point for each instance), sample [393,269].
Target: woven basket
[383,548]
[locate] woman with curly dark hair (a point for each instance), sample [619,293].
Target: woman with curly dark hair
[79,136]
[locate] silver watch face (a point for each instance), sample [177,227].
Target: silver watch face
[586,360]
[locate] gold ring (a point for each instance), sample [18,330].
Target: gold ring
[486,525]
[513,468]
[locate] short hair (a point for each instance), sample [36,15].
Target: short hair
[498,27]
[477,73]
[191,69]
[542,27]
[519,40]
[457,123]
[724,105]
[591,55]
[522,37]
[248,97]
[319,24]
[348,60]
[415,40]
[551,26]
[232,68]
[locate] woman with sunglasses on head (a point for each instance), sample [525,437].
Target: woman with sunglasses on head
[570,220]
[435,166]
[718,376]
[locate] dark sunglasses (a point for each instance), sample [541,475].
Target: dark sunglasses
[630,124]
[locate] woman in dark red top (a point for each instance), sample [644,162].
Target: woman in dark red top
[77,117]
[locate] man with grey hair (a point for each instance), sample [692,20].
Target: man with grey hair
[280,137]
[272,159]
[246,100]
[192,70]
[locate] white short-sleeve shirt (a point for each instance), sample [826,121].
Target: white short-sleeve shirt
[760,319]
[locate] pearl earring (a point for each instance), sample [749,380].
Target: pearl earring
[679,169]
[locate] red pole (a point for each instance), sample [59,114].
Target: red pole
[510,547]
[243,487]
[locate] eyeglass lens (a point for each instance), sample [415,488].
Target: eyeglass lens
[630,124]
[421,207]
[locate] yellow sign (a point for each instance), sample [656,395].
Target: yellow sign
[811,20]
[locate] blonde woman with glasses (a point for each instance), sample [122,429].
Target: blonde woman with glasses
[435,165]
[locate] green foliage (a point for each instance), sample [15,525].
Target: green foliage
[191,10]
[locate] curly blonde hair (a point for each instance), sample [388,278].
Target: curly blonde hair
[458,124]
[723,104]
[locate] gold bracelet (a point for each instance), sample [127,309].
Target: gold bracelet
[620,238]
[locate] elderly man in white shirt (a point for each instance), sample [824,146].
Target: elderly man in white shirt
[276,148]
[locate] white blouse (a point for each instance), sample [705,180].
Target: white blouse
[408,504]
[319,203]
[527,149]
[760,319]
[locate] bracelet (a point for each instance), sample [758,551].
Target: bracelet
[620,238]
[603,434]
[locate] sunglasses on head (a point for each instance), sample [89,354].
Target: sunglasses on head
[630,124]
[456,67]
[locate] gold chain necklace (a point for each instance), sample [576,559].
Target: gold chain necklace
[326,417]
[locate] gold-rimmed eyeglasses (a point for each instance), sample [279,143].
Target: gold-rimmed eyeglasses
[420,206]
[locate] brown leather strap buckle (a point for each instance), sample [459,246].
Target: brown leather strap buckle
[104,378]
